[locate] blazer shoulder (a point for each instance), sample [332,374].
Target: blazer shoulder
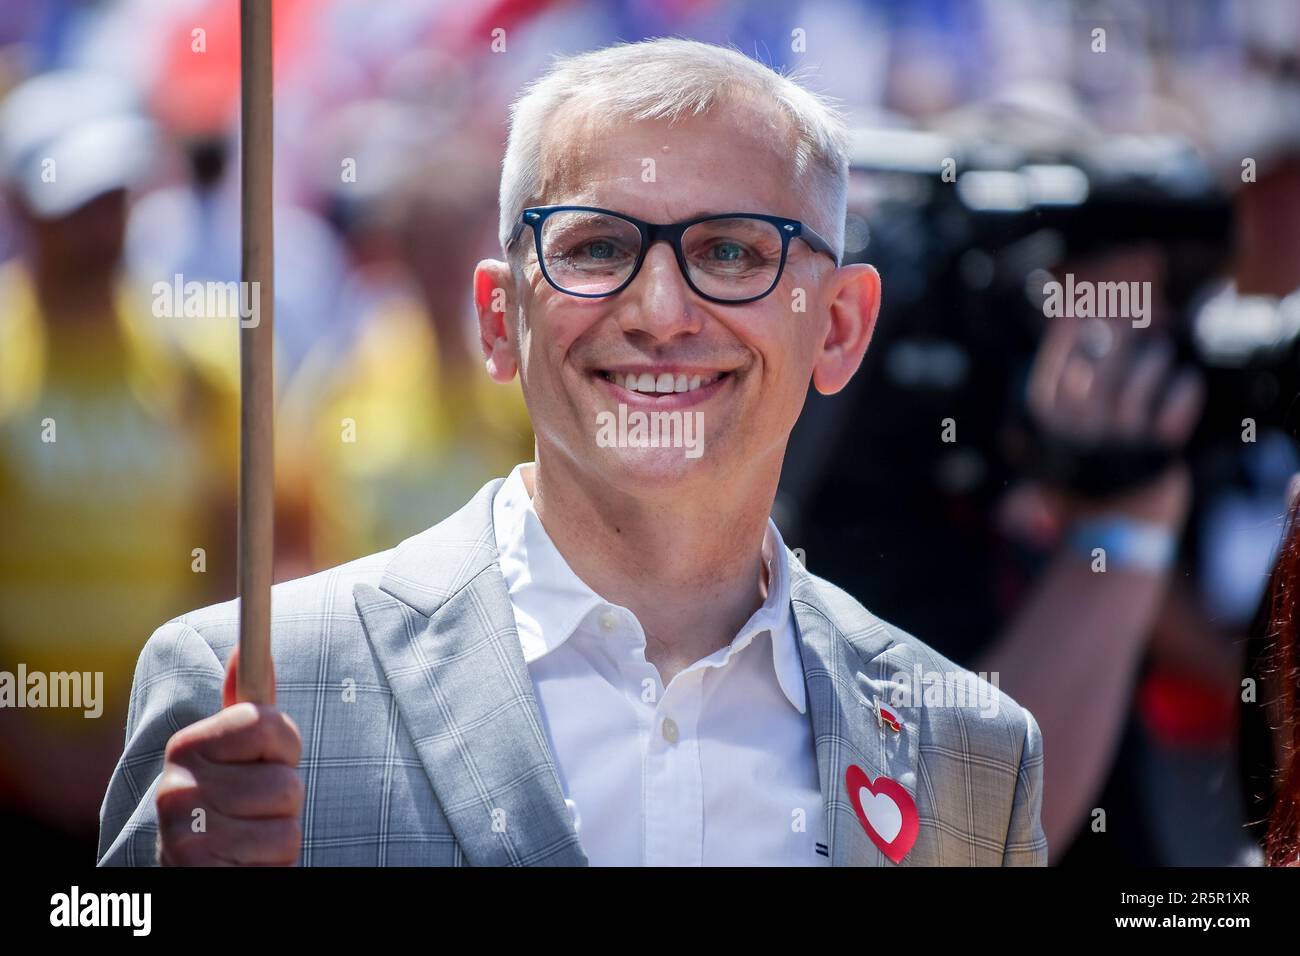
[321,609]
[299,609]
[992,722]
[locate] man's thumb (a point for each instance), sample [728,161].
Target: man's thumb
[231,684]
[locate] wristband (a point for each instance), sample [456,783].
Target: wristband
[1127,542]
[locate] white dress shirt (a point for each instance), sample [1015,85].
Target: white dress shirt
[716,769]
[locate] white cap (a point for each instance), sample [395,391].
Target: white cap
[69,136]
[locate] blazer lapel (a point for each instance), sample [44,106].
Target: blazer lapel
[443,631]
[846,670]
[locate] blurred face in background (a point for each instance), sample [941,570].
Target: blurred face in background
[85,242]
[573,354]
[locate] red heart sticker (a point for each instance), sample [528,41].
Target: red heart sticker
[885,811]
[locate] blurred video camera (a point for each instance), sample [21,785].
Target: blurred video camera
[967,234]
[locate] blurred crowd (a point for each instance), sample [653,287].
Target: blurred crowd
[119,418]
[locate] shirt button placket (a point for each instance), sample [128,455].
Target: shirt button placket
[674,789]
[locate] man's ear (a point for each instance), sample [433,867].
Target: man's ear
[494,302]
[853,303]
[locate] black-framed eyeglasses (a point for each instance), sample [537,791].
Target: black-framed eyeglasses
[730,258]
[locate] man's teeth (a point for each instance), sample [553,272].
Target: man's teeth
[662,384]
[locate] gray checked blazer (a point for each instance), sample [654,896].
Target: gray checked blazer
[404,674]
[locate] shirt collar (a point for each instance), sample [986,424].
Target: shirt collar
[550,601]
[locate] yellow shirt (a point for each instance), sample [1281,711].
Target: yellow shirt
[116,457]
[385,445]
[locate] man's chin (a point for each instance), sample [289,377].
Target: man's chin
[652,468]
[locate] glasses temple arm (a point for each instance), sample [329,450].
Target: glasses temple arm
[810,236]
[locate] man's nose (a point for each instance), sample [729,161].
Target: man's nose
[659,302]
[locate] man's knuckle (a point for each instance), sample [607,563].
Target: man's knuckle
[176,792]
[180,746]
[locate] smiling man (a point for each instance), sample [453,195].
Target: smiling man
[609,656]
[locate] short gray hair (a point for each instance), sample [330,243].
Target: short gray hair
[665,79]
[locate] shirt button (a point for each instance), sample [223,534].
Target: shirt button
[608,620]
[669,730]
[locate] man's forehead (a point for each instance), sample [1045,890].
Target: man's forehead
[737,152]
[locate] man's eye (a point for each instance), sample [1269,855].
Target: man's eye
[730,255]
[728,252]
[592,250]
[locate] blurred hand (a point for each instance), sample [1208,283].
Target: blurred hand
[1091,382]
[1098,380]
[239,767]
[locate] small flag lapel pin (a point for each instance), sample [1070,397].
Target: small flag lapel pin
[886,717]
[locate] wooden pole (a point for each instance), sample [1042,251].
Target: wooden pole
[254,678]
